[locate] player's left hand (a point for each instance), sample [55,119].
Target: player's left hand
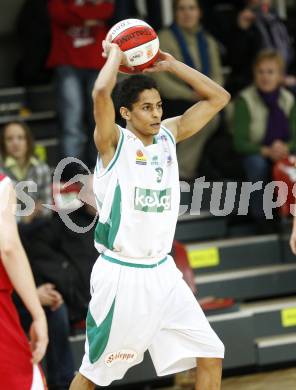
[162,64]
[38,338]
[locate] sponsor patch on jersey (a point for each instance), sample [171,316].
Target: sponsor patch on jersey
[141,159]
[154,160]
[123,356]
[152,201]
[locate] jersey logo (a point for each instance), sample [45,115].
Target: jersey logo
[141,159]
[152,201]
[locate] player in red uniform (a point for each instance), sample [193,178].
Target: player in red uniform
[18,359]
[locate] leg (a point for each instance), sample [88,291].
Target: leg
[209,373]
[81,383]
[70,111]
[91,153]
[257,168]
[59,357]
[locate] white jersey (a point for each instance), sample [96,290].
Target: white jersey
[138,197]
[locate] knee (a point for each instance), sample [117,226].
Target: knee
[81,382]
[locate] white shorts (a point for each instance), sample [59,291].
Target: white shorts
[38,382]
[135,307]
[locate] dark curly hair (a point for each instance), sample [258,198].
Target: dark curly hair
[127,91]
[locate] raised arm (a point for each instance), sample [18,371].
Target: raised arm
[106,133]
[18,269]
[212,97]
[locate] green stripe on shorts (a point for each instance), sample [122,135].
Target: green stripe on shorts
[98,336]
[133,265]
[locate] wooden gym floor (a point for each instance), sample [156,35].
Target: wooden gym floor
[275,380]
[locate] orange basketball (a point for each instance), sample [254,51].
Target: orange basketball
[138,41]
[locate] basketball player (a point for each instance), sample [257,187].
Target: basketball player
[18,364]
[139,299]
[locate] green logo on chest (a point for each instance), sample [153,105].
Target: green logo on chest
[152,201]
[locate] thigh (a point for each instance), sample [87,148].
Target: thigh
[257,168]
[185,332]
[90,78]
[69,89]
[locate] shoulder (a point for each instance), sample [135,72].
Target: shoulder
[210,38]
[287,94]
[247,92]
[164,33]
[4,180]
[165,131]
[40,167]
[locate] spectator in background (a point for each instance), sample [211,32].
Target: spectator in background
[264,123]
[257,27]
[78,28]
[20,164]
[188,42]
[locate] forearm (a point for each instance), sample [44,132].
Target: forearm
[108,75]
[17,267]
[201,84]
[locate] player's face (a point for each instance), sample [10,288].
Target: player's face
[187,14]
[15,141]
[268,75]
[145,116]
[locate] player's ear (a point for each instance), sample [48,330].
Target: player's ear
[125,113]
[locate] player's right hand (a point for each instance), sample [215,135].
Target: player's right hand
[108,46]
[38,338]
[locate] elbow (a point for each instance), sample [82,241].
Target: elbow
[100,93]
[8,253]
[223,99]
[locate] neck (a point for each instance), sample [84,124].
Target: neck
[21,161]
[146,139]
[190,30]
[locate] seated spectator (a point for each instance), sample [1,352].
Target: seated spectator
[20,164]
[188,42]
[264,123]
[257,27]
[65,259]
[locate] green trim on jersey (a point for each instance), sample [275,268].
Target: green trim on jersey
[98,336]
[115,157]
[133,265]
[169,135]
[105,233]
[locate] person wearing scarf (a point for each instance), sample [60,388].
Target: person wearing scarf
[264,123]
[187,41]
